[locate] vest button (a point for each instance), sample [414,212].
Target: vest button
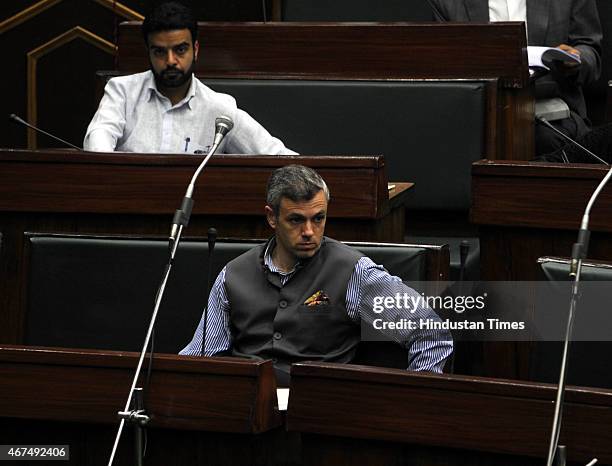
[283,304]
[277,335]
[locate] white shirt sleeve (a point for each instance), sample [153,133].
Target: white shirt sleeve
[107,125]
[250,137]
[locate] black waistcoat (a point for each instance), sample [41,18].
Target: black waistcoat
[268,320]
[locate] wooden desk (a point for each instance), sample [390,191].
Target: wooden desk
[356,415]
[200,408]
[221,411]
[525,211]
[67,191]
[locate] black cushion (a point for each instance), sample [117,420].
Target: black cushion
[99,293]
[418,126]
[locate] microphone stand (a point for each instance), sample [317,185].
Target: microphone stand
[181,219]
[16,119]
[546,123]
[579,252]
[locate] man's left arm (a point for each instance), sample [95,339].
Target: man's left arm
[250,137]
[428,349]
[585,36]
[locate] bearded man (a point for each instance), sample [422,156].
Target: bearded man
[167,109]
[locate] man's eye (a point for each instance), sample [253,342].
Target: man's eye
[159,52]
[181,49]
[295,221]
[319,219]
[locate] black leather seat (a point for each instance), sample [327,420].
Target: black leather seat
[98,292]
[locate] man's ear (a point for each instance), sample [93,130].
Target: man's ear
[196,50]
[271,217]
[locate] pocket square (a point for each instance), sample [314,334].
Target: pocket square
[317,299]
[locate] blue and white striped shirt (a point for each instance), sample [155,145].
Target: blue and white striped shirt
[427,349]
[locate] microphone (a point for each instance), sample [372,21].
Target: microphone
[579,252]
[181,219]
[223,125]
[545,122]
[16,119]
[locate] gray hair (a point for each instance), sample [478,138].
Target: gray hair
[296,182]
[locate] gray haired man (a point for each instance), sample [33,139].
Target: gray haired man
[301,295]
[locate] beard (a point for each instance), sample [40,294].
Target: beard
[173,77]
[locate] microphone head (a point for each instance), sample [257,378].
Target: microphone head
[223,125]
[14,117]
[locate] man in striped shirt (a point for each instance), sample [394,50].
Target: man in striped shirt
[302,296]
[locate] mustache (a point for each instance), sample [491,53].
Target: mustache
[172,71]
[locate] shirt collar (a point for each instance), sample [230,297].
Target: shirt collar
[191,92]
[269,264]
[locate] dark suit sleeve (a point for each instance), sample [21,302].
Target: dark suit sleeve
[586,36]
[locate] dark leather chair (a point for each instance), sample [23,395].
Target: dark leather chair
[98,292]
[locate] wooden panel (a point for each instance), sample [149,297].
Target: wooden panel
[64,181]
[467,413]
[538,195]
[525,211]
[218,394]
[355,50]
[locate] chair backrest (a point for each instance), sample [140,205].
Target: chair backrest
[588,361]
[557,269]
[98,291]
[414,124]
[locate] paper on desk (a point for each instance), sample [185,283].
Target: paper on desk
[282,395]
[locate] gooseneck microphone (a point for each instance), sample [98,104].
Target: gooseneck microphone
[546,123]
[579,252]
[136,413]
[223,125]
[21,121]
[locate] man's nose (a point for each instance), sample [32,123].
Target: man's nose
[307,230]
[171,58]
